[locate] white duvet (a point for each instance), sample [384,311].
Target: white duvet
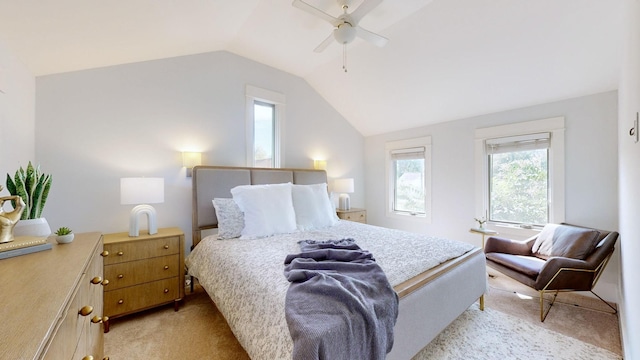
[245,277]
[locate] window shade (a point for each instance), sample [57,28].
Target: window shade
[408,154]
[518,143]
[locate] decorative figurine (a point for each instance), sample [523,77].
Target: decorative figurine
[8,220]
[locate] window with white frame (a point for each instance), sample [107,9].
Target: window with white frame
[521,173]
[264,121]
[409,178]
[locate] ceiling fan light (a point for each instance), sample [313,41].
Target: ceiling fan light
[344,34]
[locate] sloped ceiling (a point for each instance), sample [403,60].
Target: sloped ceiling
[445,60]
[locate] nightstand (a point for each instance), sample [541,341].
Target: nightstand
[142,272]
[353,214]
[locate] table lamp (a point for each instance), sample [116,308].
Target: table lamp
[142,191]
[344,187]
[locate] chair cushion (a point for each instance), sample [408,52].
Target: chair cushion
[528,265]
[565,241]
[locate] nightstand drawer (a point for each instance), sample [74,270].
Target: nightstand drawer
[141,271]
[143,249]
[353,215]
[139,297]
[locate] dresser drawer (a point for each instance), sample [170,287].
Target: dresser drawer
[143,249]
[139,297]
[141,271]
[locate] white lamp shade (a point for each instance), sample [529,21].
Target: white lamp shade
[343,185]
[141,191]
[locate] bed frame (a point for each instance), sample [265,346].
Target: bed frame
[429,302]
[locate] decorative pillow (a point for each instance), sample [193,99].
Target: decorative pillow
[566,241]
[268,209]
[313,207]
[230,218]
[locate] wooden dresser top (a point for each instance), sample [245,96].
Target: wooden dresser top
[34,290]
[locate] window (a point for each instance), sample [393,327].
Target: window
[408,178]
[264,121]
[520,173]
[264,115]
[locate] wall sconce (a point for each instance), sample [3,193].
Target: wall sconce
[320,164]
[142,191]
[191,159]
[344,187]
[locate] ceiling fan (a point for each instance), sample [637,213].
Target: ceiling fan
[346,25]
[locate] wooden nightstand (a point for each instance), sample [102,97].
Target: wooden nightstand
[142,272]
[353,214]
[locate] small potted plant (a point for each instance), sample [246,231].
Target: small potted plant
[64,235]
[481,221]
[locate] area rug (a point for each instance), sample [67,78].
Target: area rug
[492,334]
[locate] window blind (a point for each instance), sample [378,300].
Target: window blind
[518,143]
[408,154]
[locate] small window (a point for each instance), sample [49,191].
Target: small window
[264,121]
[408,178]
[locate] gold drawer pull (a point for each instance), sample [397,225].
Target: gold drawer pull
[105,282]
[120,253]
[88,357]
[86,310]
[166,247]
[166,267]
[120,301]
[96,319]
[104,253]
[120,276]
[96,280]
[166,291]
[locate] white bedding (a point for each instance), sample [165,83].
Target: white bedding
[245,277]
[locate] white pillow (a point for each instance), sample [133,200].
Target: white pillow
[268,209]
[230,218]
[313,207]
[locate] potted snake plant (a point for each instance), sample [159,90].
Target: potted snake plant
[33,187]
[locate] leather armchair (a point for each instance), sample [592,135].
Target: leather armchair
[560,258]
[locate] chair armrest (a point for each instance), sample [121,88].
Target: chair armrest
[508,246]
[565,273]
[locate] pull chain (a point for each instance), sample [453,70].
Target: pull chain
[344,57]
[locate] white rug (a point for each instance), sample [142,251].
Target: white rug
[491,335]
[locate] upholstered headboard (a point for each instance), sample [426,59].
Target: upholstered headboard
[217,181]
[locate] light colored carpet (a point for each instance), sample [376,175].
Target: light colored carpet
[509,328]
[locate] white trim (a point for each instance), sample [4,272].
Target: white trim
[252,94]
[399,146]
[555,126]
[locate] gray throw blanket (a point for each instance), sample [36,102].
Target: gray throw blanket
[339,304]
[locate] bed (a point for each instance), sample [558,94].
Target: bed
[244,277]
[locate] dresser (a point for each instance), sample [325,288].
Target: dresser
[353,214]
[52,302]
[142,272]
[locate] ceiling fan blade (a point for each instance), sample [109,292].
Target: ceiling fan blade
[363,10]
[317,12]
[326,42]
[373,38]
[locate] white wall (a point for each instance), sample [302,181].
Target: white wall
[17,115]
[96,126]
[629,184]
[590,159]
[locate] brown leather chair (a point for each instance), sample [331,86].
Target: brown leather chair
[560,258]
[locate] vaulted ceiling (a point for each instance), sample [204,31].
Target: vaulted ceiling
[445,59]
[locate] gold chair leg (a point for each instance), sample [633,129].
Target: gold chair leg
[615,311]
[543,314]
[482,302]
